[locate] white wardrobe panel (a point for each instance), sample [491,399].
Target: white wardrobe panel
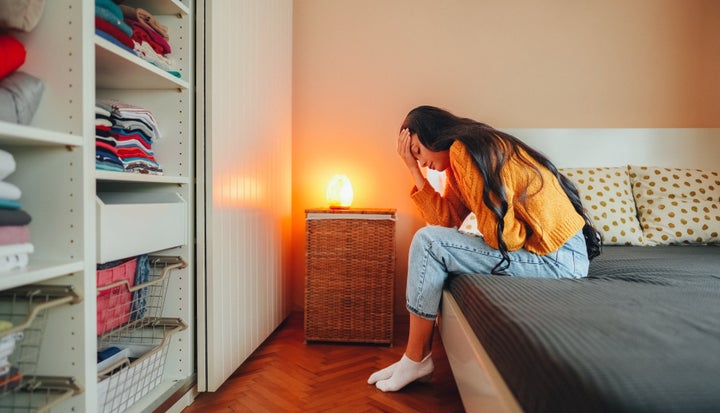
[245,191]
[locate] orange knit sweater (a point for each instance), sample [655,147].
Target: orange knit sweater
[540,222]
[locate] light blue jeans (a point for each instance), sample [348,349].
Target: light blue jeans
[437,251]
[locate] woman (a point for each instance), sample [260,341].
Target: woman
[530,217]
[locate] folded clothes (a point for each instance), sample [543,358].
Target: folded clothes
[14,217]
[144,33]
[106,353]
[122,135]
[114,31]
[102,122]
[102,165]
[7,346]
[11,249]
[5,325]
[9,191]
[14,262]
[125,126]
[9,203]
[113,40]
[14,234]
[166,63]
[109,11]
[121,113]
[21,15]
[15,256]
[20,96]
[10,381]
[146,18]
[7,164]
[13,54]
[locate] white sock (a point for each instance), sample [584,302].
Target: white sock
[383,374]
[405,372]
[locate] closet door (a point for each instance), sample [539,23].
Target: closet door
[243,180]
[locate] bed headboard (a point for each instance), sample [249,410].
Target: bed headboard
[682,148]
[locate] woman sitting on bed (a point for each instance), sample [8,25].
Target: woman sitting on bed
[530,217]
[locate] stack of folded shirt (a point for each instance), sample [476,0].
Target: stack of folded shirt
[123,138]
[15,245]
[110,25]
[137,31]
[106,156]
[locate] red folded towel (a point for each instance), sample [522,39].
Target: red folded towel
[13,54]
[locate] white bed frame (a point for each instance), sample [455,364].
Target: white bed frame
[480,385]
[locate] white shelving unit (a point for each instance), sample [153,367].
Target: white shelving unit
[61,189]
[54,173]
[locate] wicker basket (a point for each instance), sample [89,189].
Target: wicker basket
[350,260]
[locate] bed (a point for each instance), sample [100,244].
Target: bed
[640,334]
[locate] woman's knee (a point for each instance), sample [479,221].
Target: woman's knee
[428,234]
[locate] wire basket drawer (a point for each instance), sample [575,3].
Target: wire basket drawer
[131,290]
[24,312]
[138,366]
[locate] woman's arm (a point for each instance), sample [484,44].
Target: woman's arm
[403,149]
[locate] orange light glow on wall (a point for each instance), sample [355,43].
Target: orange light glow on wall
[339,192]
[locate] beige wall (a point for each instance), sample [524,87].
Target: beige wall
[360,66]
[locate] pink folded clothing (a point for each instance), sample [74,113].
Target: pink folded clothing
[14,234]
[13,54]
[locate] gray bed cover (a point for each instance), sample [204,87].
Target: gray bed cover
[640,334]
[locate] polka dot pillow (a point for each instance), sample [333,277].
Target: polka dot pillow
[469,225]
[677,206]
[607,198]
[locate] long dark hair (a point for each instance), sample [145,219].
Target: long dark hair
[490,149]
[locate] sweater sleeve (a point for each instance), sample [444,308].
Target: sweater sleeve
[446,210]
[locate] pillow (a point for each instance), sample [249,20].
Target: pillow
[469,225]
[677,206]
[607,198]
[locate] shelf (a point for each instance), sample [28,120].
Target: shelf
[21,135]
[133,177]
[116,68]
[82,216]
[39,271]
[160,6]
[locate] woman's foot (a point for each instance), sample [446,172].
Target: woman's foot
[403,373]
[383,374]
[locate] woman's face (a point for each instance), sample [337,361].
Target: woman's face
[438,161]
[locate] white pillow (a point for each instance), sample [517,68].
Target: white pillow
[677,205]
[608,201]
[469,225]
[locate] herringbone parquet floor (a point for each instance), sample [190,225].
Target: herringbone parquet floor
[287,375]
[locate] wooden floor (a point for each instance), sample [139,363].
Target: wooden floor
[287,375]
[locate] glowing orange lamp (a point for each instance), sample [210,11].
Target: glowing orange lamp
[339,192]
